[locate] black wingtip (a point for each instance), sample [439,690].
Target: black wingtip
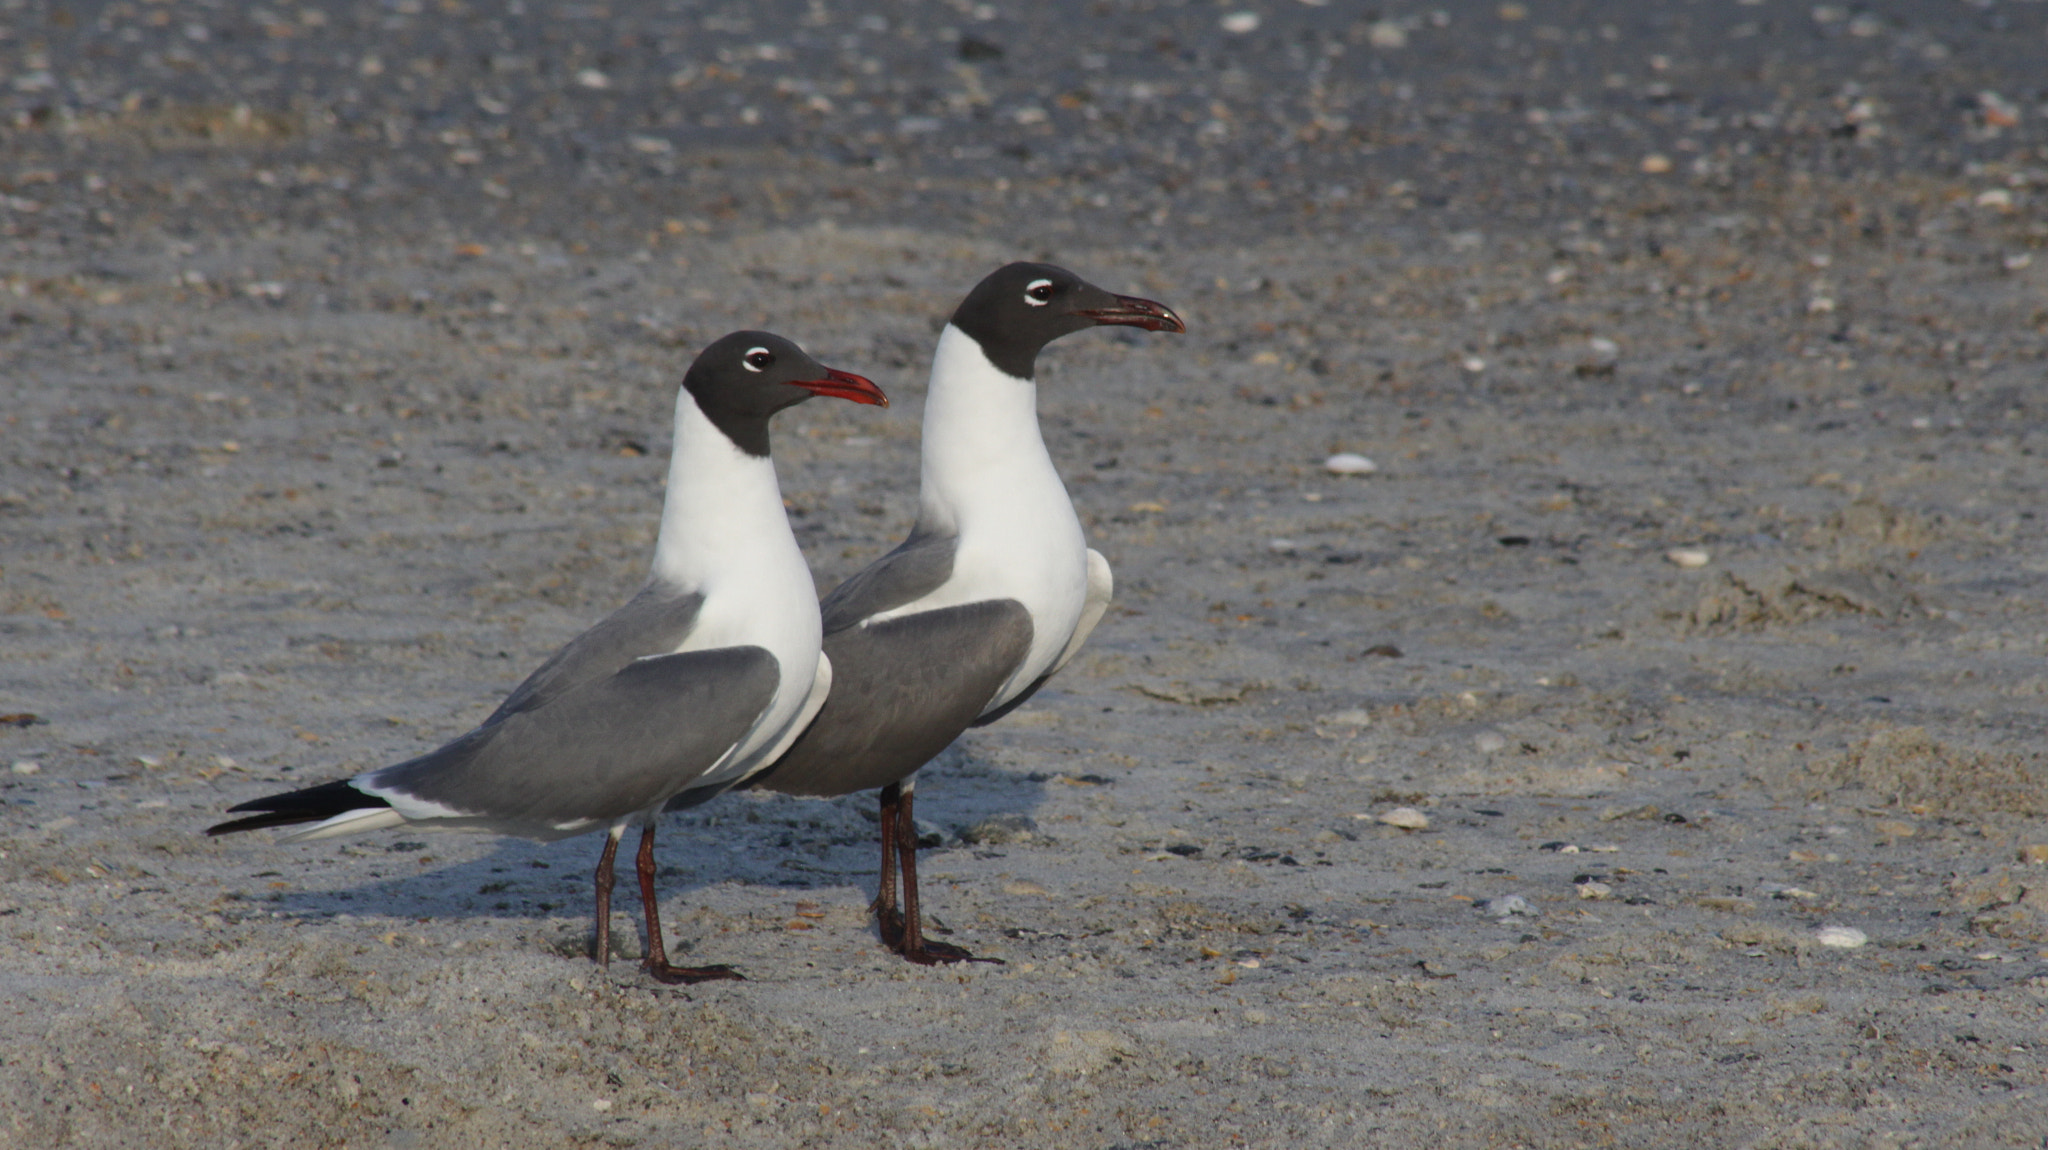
[256,823]
[307,806]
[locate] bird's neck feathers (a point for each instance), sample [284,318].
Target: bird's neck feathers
[723,513]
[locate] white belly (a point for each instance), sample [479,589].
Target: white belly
[776,609]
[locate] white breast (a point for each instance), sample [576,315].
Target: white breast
[989,480]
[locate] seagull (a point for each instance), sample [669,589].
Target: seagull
[703,677]
[993,592]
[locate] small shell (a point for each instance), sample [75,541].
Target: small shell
[1407,818]
[1506,905]
[1846,937]
[1349,463]
[1689,558]
[1594,890]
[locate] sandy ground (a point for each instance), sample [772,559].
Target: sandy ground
[339,345]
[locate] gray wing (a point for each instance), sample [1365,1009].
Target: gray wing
[902,689]
[599,749]
[919,566]
[654,622]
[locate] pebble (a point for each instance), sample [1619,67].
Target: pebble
[1239,23]
[1845,937]
[1594,889]
[26,767]
[1349,463]
[1656,164]
[1488,742]
[2035,853]
[1689,558]
[1001,830]
[1353,718]
[1407,818]
[1508,905]
[1281,546]
[1782,890]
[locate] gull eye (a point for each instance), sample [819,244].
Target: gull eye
[757,359]
[1038,293]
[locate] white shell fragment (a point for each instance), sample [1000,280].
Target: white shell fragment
[1407,818]
[1846,937]
[26,767]
[1349,463]
[1689,558]
[1595,890]
[1507,905]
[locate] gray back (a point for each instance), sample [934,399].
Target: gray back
[918,567]
[653,622]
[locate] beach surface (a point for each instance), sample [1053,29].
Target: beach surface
[1646,749]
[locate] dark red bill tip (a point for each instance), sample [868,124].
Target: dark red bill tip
[1131,311]
[845,385]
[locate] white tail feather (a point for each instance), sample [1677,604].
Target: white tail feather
[347,823]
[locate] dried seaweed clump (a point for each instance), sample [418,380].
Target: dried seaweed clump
[1906,767]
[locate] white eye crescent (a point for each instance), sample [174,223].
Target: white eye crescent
[1038,293]
[757,359]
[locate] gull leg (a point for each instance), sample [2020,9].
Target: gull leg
[888,920]
[657,954]
[912,944]
[605,877]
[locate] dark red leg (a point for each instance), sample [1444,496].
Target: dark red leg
[911,942]
[657,953]
[603,953]
[889,920]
